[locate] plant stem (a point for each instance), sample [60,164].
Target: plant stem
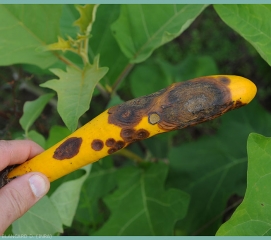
[68,62]
[103,91]
[120,78]
[129,154]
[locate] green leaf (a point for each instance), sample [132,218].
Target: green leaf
[101,181]
[152,75]
[74,89]
[141,29]
[61,44]
[37,138]
[252,217]
[69,15]
[42,218]
[21,33]
[252,22]
[103,43]
[66,197]
[213,168]
[156,74]
[87,17]
[195,66]
[141,206]
[32,110]
[56,134]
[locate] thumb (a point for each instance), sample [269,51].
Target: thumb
[20,195]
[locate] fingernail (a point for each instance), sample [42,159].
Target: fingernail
[37,185]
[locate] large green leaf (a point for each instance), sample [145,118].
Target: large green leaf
[253,216]
[42,218]
[69,15]
[101,181]
[66,197]
[33,109]
[214,167]
[195,66]
[24,28]
[141,206]
[150,77]
[102,42]
[156,74]
[252,22]
[141,29]
[74,89]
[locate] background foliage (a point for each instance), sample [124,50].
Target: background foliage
[205,180]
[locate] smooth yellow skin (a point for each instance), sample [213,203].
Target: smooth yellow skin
[241,89]
[98,128]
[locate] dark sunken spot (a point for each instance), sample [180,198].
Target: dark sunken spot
[112,150]
[97,145]
[225,80]
[68,149]
[142,134]
[110,142]
[119,145]
[127,134]
[130,113]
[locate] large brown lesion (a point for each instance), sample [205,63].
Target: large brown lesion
[68,149]
[178,106]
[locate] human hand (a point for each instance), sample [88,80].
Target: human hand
[23,192]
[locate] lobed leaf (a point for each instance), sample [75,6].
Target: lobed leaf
[22,24]
[253,216]
[252,22]
[141,206]
[61,44]
[87,17]
[74,89]
[142,28]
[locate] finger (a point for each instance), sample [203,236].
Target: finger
[17,151]
[19,196]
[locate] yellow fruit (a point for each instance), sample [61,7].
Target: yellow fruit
[177,106]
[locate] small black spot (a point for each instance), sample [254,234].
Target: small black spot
[97,144]
[112,150]
[119,145]
[110,142]
[141,134]
[68,149]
